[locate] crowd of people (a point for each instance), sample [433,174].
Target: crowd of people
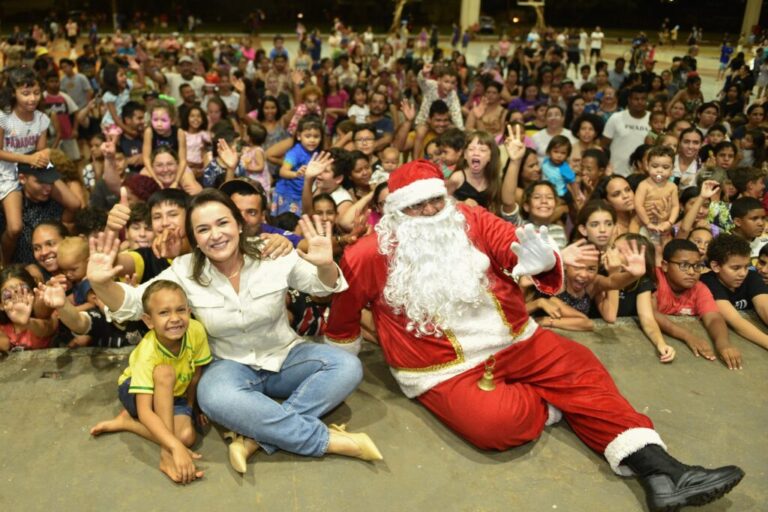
[145,178]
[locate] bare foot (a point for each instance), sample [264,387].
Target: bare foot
[168,467]
[118,424]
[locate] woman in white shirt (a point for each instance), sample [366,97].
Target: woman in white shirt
[240,299]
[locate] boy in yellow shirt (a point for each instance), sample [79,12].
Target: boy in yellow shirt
[158,387]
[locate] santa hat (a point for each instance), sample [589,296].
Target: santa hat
[413,183]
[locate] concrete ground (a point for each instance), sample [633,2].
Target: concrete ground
[706,414]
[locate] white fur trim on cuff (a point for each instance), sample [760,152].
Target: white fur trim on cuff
[416,192]
[627,443]
[351,346]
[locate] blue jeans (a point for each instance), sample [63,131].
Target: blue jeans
[313,380]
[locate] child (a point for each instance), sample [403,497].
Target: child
[18,331]
[94,170]
[749,222]
[138,231]
[307,141]
[309,102]
[23,139]
[761,265]
[539,203]
[736,287]
[680,293]
[596,223]
[702,237]
[389,160]
[556,170]
[748,181]
[656,202]
[132,145]
[477,178]
[162,132]
[359,111]
[325,174]
[117,92]
[223,161]
[72,256]
[158,388]
[194,123]
[715,135]
[438,86]
[61,105]
[593,165]
[450,143]
[359,177]
[253,159]
[657,122]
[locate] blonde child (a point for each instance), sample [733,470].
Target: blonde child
[23,139]
[72,256]
[656,202]
[158,389]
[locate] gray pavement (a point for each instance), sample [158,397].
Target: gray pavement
[707,415]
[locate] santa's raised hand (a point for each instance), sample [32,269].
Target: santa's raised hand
[535,252]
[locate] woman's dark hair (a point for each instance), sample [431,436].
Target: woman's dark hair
[601,189]
[377,193]
[638,154]
[758,151]
[324,197]
[528,153]
[593,119]
[15,78]
[185,118]
[270,99]
[586,212]
[109,78]
[198,258]
[60,229]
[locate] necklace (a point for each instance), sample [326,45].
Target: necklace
[239,268]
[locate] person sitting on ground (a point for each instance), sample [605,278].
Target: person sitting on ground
[158,389]
[736,287]
[680,292]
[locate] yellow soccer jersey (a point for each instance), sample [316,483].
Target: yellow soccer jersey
[150,353]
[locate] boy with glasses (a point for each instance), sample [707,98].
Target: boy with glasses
[680,293]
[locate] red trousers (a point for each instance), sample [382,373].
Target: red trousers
[547,368]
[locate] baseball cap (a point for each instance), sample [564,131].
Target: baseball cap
[244,186]
[186,58]
[46,175]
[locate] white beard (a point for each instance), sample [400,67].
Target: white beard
[435,273]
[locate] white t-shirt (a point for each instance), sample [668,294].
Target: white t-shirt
[596,40]
[626,133]
[20,137]
[541,140]
[583,39]
[340,195]
[175,81]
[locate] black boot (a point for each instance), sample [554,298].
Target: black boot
[669,484]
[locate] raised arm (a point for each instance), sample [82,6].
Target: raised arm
[515,150]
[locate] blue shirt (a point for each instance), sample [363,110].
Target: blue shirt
[297,156]
[294,238]
[559,176]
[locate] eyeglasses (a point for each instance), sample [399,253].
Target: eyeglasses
[687,267]
[436,202]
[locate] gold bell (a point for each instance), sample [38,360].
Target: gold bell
[486,381]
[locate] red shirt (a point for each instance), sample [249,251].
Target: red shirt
[26,339]
[696,301]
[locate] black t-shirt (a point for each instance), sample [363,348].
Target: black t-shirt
[132,147]
[152,264]
[628,296]
[741,298]
[105,334]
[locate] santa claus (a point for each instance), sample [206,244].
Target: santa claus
[441,281]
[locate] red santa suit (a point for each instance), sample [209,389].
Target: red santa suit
[534,367]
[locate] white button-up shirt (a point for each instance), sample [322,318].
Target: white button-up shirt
[250,327]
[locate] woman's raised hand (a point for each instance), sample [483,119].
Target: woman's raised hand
[318,235]
[514,142]
[317,164]
[53,293]
[709,188]
[227,154]
[635,257]
[101,263]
